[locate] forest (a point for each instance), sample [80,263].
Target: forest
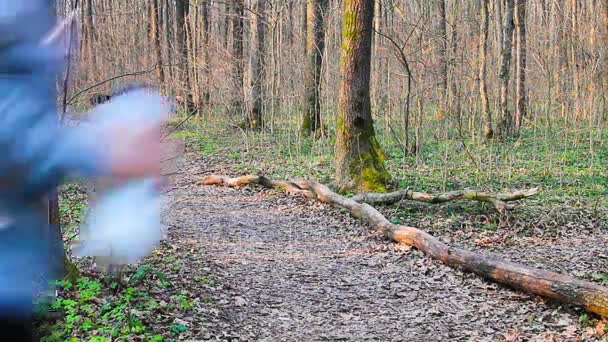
[350,170]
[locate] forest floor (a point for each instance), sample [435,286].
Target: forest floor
[253,264]
[289,269]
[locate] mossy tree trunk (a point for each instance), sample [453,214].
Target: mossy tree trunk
[258,38]
[315,46]
[359,158]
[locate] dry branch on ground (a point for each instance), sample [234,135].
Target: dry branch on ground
[499,201]
[552,285]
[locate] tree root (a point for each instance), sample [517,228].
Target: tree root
[552,285]
[499,201]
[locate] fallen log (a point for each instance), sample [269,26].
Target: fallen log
[563,288]
[499,201]
[294,188]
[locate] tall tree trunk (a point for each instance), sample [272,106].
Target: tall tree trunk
[497,6]
[258,64]
[315,47]
[88,36]
[483,69]
[359,158]
[506,124]
[454,99]
[304,24]
[226,26]
[289,24]
[169,34]
[521,92]
[182,10]
[574,43]
[155,25]
[376,84]
[237,57]
[205,53]
[442,47]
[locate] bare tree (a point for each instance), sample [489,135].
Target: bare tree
[258,64]
[506,124]
[315,47]
[182,11]
[521,93]
[155,25]
[226,25]
[483,69]
[237,106]
[204,51]
[442,46]
[169,33]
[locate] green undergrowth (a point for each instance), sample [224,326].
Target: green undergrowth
[98,308]
[131,305]
[141,303]
[570,165]
[568,170]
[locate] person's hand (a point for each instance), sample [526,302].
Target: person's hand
[132,152]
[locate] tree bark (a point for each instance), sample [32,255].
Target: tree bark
[155,32]
[520,91]
[237,105]
[89,32]
[359,158]
[574,43]
[169,35]
[497,10]
[377,63]
[591,296]
[205,53]
[483,69]
[226,25]
[506,123]
[182,11]
[315,49]
[304,24]
[258,64]
[442,47]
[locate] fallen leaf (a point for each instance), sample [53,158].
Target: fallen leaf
[600,328]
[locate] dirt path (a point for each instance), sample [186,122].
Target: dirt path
[275,268]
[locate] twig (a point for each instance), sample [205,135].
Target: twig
[136,73]
[178,126]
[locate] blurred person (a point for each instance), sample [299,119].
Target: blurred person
[36,154]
